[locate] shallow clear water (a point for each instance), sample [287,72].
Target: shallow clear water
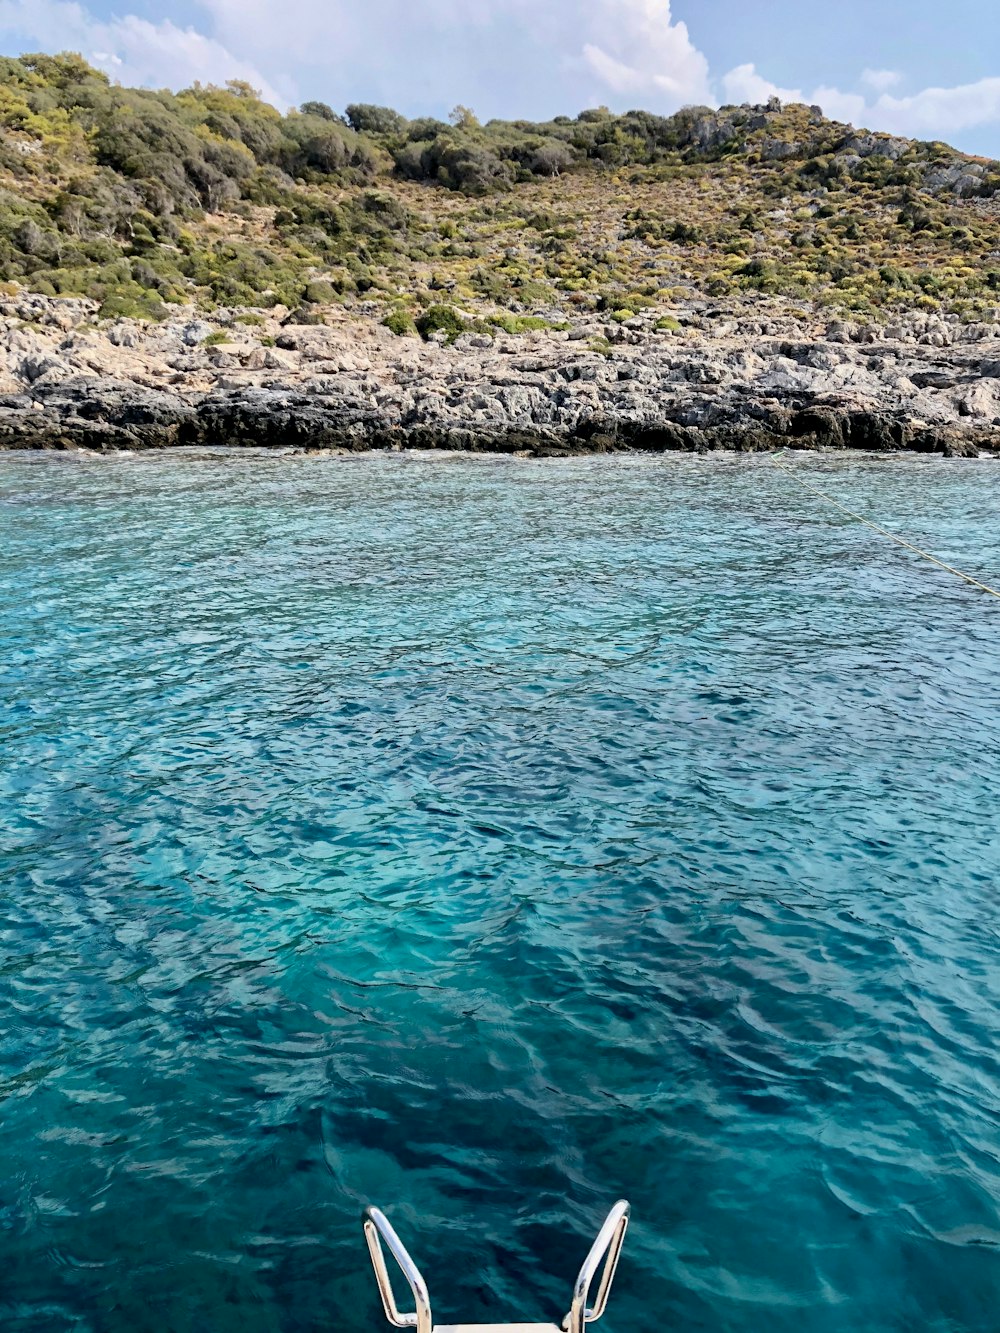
[488,840]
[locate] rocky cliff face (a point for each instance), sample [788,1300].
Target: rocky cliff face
[739,375]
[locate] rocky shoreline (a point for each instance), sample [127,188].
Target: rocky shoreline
[746,376]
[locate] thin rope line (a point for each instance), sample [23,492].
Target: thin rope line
[984,587]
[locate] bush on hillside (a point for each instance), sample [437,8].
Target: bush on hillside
[367,119]
[440,319]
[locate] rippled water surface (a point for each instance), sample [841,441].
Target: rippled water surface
[490,839]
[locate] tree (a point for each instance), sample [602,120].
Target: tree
[240,88]
[551,158]
[319,109]
[464,118]
[368,119]
[594,113]
[466,166]
[424,129]
[326,152]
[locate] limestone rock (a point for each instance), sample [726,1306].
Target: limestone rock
[39,365]
[743,373]
[981,400]
[195,333]
[267,358]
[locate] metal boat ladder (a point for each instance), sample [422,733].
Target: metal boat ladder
[607,1247]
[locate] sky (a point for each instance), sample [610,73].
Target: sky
[915,67]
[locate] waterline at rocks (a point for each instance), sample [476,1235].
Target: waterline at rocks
[736,375]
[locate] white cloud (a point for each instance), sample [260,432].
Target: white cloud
[939,111]
[531,58]
[881,79]
[144,52]
[634,47]
[131,49]
[302,31]
[744,84]
[500,56]
[618,76]
[933,111]
[838,105]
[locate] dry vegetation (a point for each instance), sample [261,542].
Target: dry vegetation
[142,200]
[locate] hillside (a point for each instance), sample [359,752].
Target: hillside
[141,201]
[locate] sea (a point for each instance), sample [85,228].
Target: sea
[488,840]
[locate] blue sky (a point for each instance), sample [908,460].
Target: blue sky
[921,67]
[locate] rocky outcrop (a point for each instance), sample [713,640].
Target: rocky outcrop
[744,376]
[767,131]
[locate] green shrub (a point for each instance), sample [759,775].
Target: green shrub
[487,282]
[367,119]
[127,305]
[515,324]
[306,315]
[140,199]
[630,301]
[319,292]
[401,323]
[216,339]
[529,292]
[441,319]
[320,110]
[894,277]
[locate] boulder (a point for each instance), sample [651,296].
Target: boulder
[981,401]
[39,365]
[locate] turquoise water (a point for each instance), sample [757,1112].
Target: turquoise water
[488,840]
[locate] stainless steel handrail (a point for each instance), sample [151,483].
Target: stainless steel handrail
[607,1248]
[377,1229]
[609,1241]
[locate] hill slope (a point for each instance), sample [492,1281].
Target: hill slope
[142,200]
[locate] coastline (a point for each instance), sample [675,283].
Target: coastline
[747,377]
